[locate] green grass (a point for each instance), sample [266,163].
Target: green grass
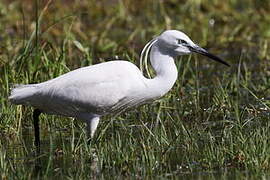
[214,123]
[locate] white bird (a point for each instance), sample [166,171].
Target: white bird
[89,93]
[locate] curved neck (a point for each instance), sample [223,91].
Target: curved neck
[162,62]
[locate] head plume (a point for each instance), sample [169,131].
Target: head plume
[144,56]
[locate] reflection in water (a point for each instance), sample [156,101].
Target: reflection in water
[94,164]
[52,164]
[37,168]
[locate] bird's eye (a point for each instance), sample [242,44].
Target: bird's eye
[181,41]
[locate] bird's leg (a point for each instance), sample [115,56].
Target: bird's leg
[36,114]
[92,124]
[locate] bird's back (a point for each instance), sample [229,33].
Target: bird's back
[99,89]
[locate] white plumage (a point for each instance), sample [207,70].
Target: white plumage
[98,89]
[90,92]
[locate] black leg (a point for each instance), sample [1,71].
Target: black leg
[36,114]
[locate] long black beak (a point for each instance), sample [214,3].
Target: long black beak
[203,52]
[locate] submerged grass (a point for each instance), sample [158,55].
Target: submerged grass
[213,124]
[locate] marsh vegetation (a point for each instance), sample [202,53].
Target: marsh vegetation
[214,123]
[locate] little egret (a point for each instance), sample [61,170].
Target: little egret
[90,92]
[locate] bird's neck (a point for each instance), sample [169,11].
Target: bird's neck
[165,68]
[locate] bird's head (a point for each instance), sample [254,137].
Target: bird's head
[178,43]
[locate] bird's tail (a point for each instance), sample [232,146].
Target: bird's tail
[21,94]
